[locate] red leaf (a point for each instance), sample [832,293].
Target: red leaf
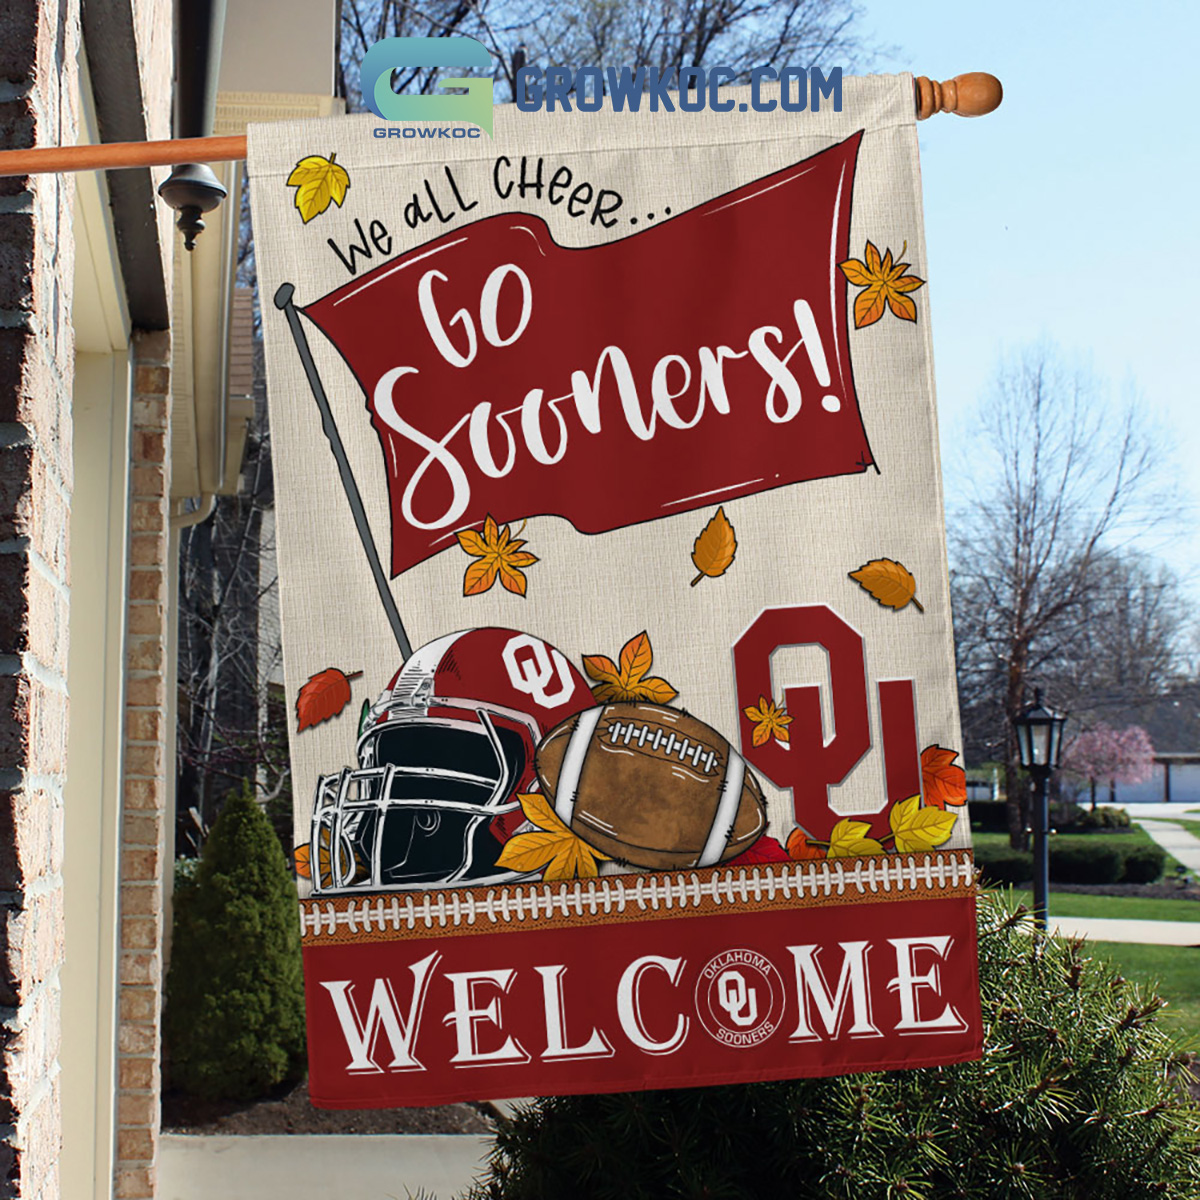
[799,849]
[322,697]
[942,782]
[765,850]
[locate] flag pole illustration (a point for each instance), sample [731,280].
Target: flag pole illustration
[283,301]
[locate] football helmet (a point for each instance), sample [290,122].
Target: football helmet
[442,756]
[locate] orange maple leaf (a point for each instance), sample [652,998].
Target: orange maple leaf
[942,782]
[799,849]
[886,286]
[499,554]
[770,720]
[628,682]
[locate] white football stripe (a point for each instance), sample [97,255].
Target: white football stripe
[727,810]
[567,787]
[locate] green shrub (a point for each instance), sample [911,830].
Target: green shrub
[1104,817]
[1086,862]
[185,875]
[1144,864]
[234,1020]
[1065,814]
[1073,1098]
[1002,864]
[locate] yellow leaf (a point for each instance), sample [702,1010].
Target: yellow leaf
[884,284]
[856,272]
[552,845]
[479,577]
[869,306]
[770,721]
[848,840]
[319,182]
[471,542]
[715,548]
[889,582]
[902,306]
[601,668]
[301,858]
[625,684]
[529,851]
[499,556]
[537,809]
[636,657]
[654,691]
[918,828]
[511,578]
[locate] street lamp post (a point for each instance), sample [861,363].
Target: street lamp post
[1039,743]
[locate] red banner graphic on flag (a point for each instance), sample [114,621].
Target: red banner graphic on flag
[702,359]
[617,1003]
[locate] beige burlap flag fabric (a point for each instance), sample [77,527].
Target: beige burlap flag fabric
[615,603]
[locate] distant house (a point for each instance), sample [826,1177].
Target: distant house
[1173,723]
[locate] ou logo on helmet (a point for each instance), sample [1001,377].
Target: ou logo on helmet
[542,672]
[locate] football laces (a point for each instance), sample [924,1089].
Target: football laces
[660,741]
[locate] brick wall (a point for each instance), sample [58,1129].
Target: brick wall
[38,45]
[144,817]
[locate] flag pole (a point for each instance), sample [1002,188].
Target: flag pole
[283,301]
[111,156]
[971,95]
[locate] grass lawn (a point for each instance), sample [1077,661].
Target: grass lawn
[1125,908]
[1193,827]
[1134,836]
[1176,970]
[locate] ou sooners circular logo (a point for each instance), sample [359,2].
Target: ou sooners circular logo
[739,998]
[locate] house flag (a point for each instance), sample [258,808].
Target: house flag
[613,581]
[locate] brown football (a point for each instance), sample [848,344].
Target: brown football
[651,786]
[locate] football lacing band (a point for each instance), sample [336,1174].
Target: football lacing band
[851,880]
[623,732]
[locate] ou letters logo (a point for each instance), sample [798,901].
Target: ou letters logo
[406,53]
[536,671]
[739,1001]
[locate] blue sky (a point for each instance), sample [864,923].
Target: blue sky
[1071,213]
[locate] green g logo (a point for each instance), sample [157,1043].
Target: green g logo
[393,54]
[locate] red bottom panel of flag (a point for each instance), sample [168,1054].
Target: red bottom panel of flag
[654,982]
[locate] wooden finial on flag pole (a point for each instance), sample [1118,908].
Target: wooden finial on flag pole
[972,95]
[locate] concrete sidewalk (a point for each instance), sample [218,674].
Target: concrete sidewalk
[318,1167]
[1112,929]
[1174,839]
